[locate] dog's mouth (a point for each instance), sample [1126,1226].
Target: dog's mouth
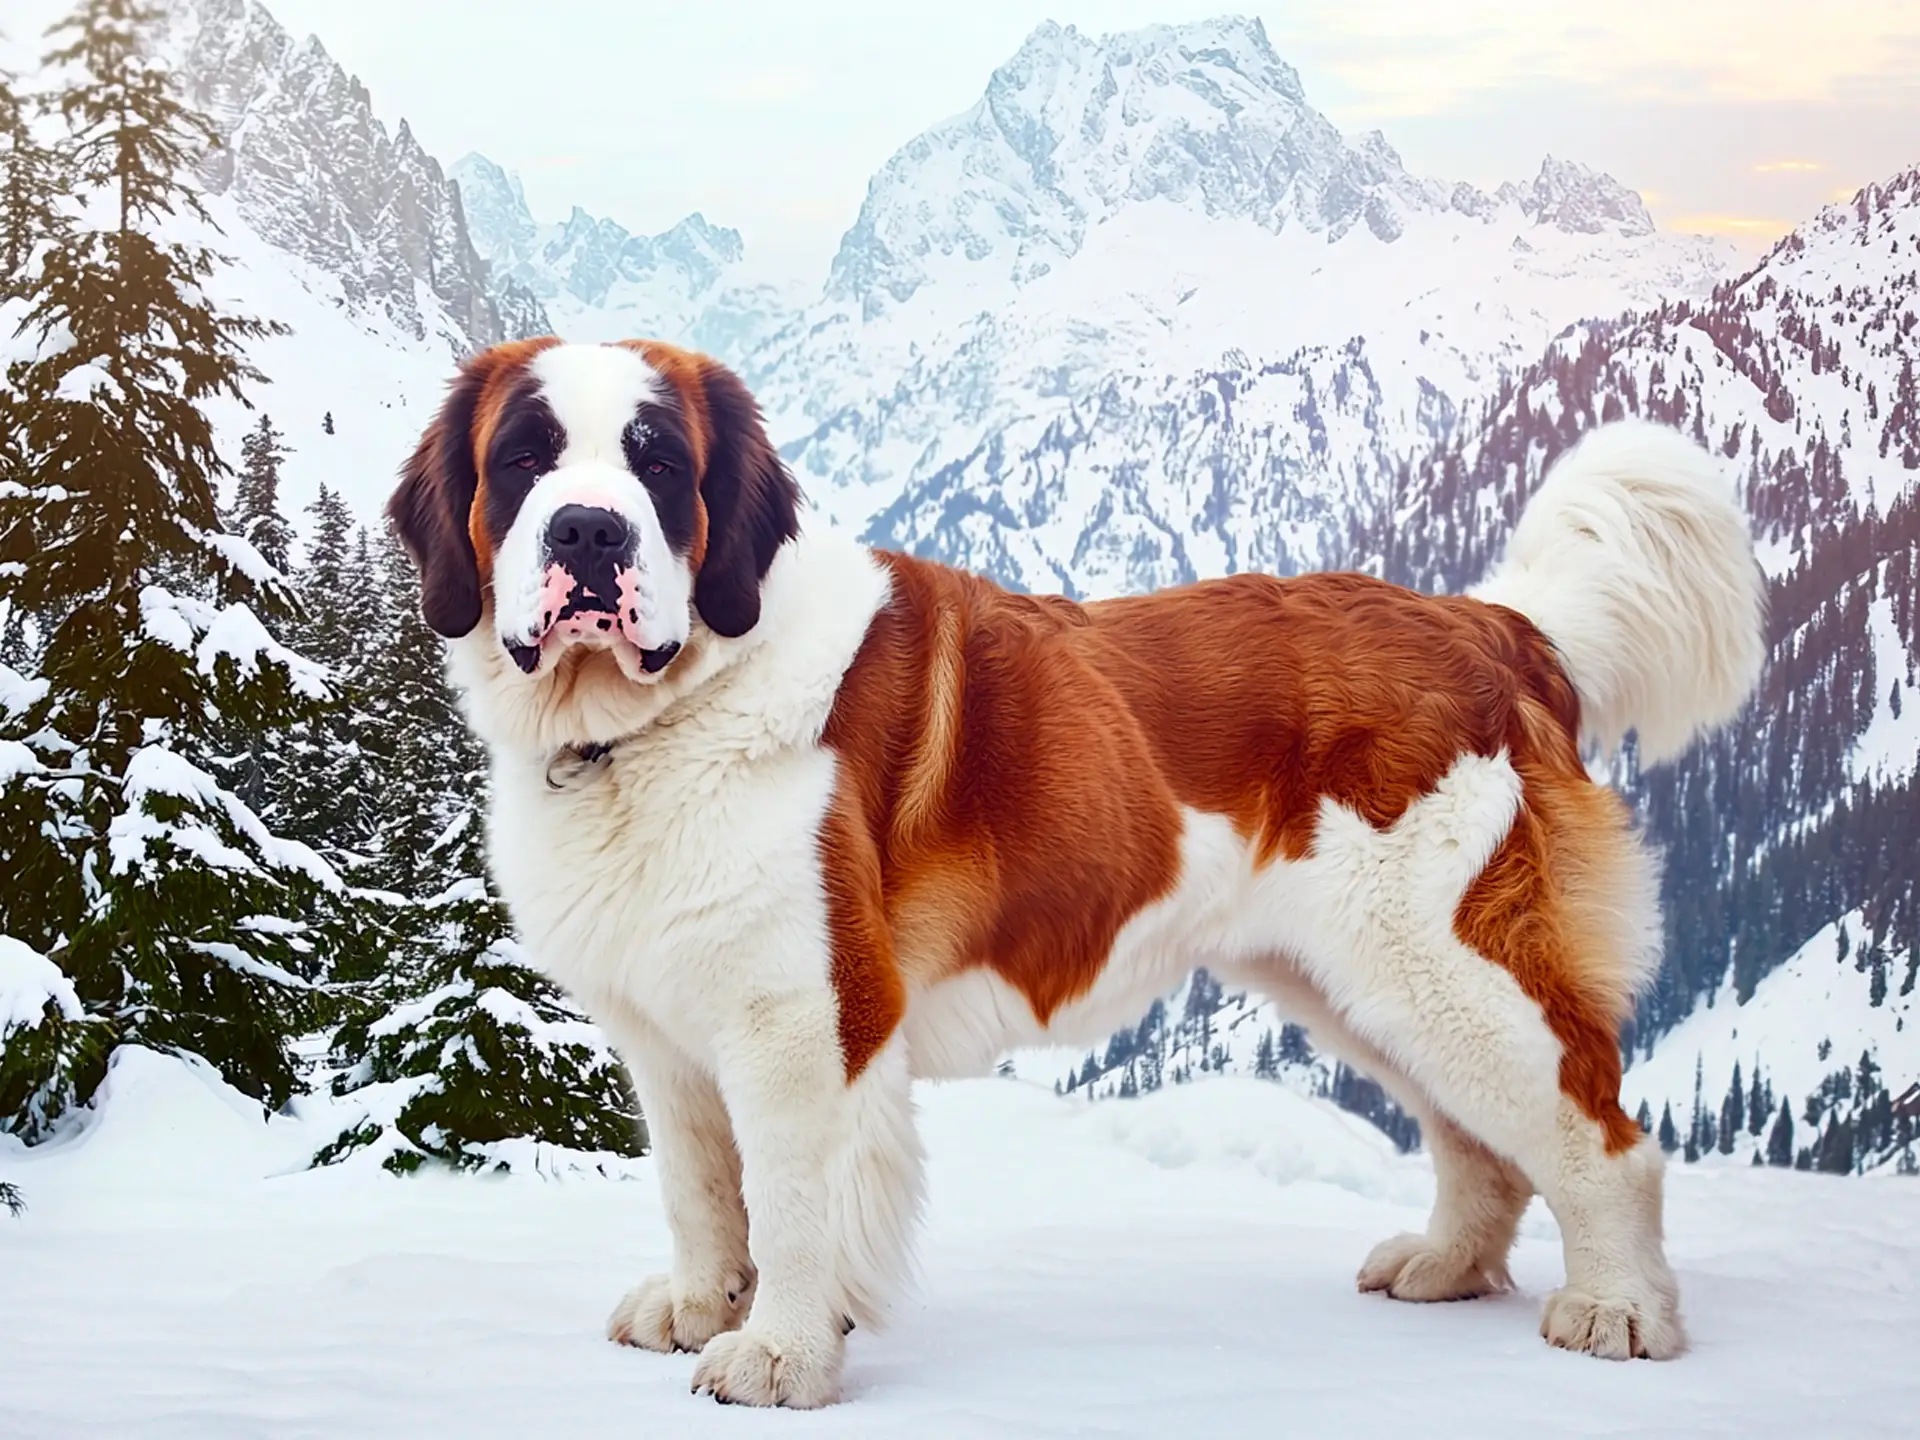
[605,612]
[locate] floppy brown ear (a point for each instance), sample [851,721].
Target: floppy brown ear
[753,506]
[429,511]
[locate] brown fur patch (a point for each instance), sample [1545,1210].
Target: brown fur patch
[498,368]
[1017,765]
[687,373]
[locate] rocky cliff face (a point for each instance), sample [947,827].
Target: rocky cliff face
[318,175]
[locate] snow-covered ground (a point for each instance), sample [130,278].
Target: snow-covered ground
[1181,1264]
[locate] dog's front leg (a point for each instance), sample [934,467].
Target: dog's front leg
[699,1168]
[783,1079]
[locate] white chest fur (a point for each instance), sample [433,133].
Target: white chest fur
[682,878]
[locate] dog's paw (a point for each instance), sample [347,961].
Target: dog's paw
[1411,1267]
[655,1315]
[748,1367]
[1615,1327]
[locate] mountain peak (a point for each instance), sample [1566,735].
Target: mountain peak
[1074,128]
[1575,197]
[1233,43]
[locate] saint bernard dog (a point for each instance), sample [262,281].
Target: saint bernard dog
[799,821]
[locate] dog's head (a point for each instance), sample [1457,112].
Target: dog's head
[597,496]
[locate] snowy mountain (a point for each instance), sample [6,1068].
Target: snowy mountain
[1142,314]
[597,281]
[315,174]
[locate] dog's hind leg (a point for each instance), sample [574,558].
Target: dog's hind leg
[1479,1197]
[1478,1201]
[1474,944]
[876,1186]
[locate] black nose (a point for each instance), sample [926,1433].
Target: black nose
[582,537]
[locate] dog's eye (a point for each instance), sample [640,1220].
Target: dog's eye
[658,467]
[525,460]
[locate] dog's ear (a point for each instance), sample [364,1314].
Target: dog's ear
[752,504]
[430,510]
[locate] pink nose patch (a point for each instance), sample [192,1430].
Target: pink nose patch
[566,609]
[555,590]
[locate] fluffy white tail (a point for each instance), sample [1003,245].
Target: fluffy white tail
[1634,559]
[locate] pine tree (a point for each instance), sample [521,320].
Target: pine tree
[1836,1148]
[1266,1065]
[256,514]
[1700,1132]
[1669,1135]
[1294,1046]
[1732,1113]
[1759,1105]
[1780,1140]
[327,786]
[180,921]
[431,756]
[326,423]
[30,185]
[1645,1118]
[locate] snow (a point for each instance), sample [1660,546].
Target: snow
[240,553]
[18,692]
[155,770]
[171,619]
[546,1034]
[247,964]
[236,632]
[29,982]
[83,384]
[16,760]
[233,631]
[413,1012]
[179,1272]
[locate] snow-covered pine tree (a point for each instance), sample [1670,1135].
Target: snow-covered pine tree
[256,515]
[327,790]
[177,918]
[1836,1148]
[460,1052]
[29,188]
[45,1036]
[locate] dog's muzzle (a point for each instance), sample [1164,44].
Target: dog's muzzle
[591,590]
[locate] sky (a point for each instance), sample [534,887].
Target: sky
[1733,119]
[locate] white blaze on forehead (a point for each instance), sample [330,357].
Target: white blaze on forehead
[594,392]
